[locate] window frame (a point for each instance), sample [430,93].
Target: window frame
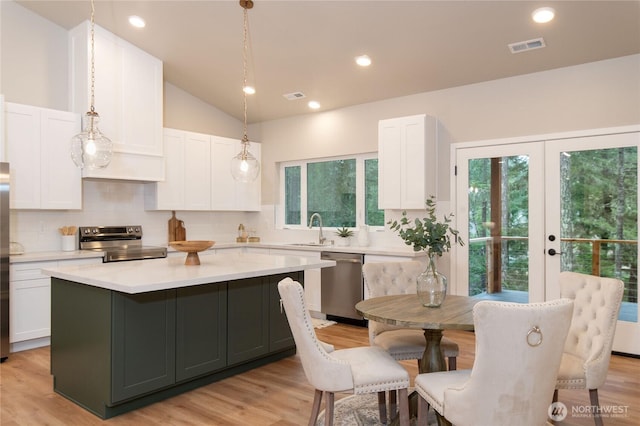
[360,190]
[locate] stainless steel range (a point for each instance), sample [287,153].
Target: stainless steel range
[119,243]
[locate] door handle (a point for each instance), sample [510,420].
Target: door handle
[553,252]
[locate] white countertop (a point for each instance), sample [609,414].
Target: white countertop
[87,254]
[141,276]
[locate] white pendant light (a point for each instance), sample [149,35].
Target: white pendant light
[91,149]
[244,166]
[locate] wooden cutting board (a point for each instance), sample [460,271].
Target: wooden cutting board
[177,231]
[181,232]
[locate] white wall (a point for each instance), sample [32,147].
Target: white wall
[33,58]
[595,95]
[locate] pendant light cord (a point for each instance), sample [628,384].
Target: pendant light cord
[245,139]
[93,67]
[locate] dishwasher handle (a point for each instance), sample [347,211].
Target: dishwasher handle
[346,260]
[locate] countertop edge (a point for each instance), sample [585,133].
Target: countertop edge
[170,273]
[47,256]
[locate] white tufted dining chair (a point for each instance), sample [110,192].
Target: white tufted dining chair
[518,352]
[587,351]
[390,278]
[358,370]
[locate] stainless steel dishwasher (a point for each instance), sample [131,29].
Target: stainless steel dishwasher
[342,286]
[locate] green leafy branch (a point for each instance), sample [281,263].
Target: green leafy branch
[427,234]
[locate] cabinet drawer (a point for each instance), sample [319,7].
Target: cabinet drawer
[30,271]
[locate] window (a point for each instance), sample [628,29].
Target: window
[344,191]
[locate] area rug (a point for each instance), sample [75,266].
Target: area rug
[320,323]
[357,410]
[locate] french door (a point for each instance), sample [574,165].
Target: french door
[529,210]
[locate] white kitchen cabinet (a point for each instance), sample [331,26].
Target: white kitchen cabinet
[128,97]
[227,193]
[198,175]
[43,176]
[407,159]
[187,184]
[312,278]
[30,302]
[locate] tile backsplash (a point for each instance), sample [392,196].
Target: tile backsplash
[122,203]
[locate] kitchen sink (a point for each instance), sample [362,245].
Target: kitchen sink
[309,245]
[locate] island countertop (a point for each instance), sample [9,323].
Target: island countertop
[142,276]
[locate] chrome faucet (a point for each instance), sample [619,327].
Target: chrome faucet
[321,238]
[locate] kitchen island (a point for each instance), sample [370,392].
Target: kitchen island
[128,334]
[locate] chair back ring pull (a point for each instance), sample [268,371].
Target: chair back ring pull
[535,330]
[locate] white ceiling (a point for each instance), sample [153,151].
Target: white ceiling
[309,46]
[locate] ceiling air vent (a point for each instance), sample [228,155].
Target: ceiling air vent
[523,46]
[293,96]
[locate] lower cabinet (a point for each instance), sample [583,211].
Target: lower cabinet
[30,302]
[201,333]
[132,350]
[143,343]
[257,323]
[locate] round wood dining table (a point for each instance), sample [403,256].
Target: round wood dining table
[456,313]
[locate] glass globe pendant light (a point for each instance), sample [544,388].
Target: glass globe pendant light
[244,166]
[91,149]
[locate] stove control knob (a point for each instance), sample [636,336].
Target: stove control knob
[94,231]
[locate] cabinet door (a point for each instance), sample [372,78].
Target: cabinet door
[248,316]
[312,277]
[30,313]
[226,193]
[22,125]
[414,186]
[280,336]
[248,194]
[389,164]
[144,343]
[169,194]
[223,187]
[406,161]
[197,172]
[141,106]
[201,334]
[61,180]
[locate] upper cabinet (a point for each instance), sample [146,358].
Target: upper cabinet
[407,150]
[128,97]
[198,175]
[187,184]
[227,193]
[43,176]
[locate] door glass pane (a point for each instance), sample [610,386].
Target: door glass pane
[499,228]
[599,233]
[373,216]
[331,191]
[292,195]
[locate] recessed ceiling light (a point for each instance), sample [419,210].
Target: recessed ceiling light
[363,60]
[137,21]
[314,104]
[249,90]
[543,15]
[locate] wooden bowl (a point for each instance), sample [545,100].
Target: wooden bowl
[191,248]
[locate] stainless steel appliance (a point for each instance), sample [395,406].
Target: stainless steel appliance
[4,261]
[119,243]
[342,287]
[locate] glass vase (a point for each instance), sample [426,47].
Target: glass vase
[431,285]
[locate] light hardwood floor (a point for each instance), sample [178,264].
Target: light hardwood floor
[276,394]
